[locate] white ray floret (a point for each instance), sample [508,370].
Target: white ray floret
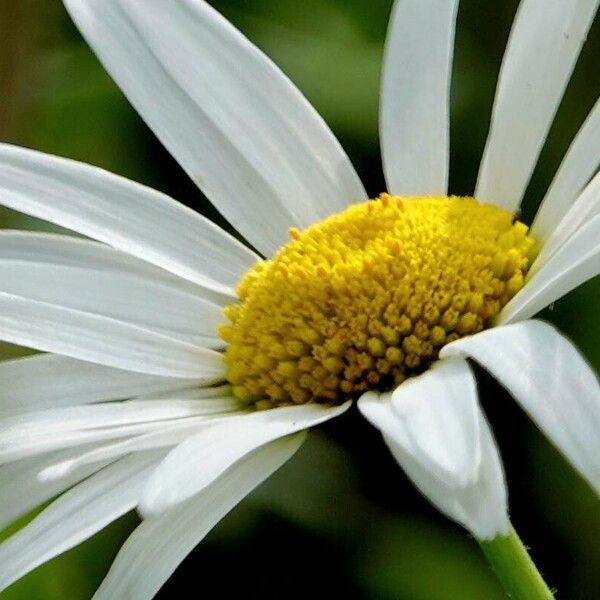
[415,97]
[143,302]
[158,545]
[166,435]
[577,260]
[103,340]
[21,490]
[542,50]
[75,516]
[46,381]
[435,429]
[70,251]
[234,122]
[579,164]
[128,216]
[551,381]
[177,478]
[585,207]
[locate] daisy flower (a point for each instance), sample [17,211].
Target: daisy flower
[180,368]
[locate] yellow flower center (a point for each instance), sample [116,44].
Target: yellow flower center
[367,297]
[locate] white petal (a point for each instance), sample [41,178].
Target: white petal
[97,416]
[585,207]
[159,544]
[35,433]
[436,419]
[21,490]
[439,436]
[197,462]
[552,382]
[234,122]
[576,261]
[50,381]
[126,215]
[139,301]
[70,251]
[103,340]
[414,120]
[542,50]
[132,436]
[75,516]
[191,393]
[168,434]
[576,169]
[482,507]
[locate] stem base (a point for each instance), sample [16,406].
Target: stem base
[514,568]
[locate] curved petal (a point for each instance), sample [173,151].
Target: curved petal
[158,545]
[414,115]
[550,380]
[51,381]
[435,417]
[216,448]
[21,490]
[576,261]
[126,215]
[168,434]
[75,516]
[576,169]
[480,507]
[131,299]
[585,207]
[439,436]
[103,340]
[235,123]
[542,50]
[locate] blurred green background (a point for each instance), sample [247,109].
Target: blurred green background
[340,518]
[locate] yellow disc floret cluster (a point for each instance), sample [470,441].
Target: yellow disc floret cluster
[367,297]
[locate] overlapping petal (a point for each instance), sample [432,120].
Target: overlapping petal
[434,427]
[550,380]
[103,340]
[128,216]
[576,261]
[585,207]
[71,251]
[165,434]
[576,169]
[234,122]
[38,432]
[139,301]
[159,544]
[75,516]
[46,381]
[21,490]
[217,448]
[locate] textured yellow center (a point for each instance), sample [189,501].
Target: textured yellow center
[368,297]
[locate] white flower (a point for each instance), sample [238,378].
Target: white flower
[133,315]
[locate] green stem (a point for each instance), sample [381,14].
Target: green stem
[514,568]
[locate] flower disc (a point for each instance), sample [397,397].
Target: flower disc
[368,297]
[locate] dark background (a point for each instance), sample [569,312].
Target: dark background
[340,518]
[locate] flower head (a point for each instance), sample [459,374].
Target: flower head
[164,336]
[367,297]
